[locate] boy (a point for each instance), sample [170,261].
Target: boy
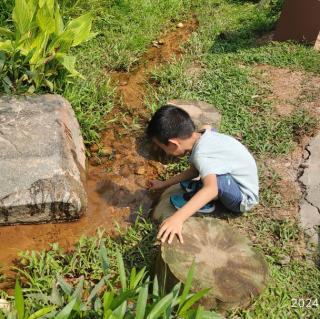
[227,170]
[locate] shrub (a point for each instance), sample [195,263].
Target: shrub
[36,52]
[134,296]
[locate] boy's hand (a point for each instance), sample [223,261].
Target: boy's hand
[169,228]
[156,184]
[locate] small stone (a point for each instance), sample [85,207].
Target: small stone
[141,170]
[180,25]
[161,41]
[288,164]
[107,150]
[123,83]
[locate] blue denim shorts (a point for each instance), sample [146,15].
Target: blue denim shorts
[229,192]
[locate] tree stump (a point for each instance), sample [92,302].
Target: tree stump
[225,261]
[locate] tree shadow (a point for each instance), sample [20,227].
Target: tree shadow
[247,36]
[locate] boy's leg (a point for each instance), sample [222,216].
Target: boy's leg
[229,192]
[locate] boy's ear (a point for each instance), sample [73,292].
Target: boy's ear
[173,141]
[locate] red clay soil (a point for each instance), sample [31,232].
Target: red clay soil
[117,181]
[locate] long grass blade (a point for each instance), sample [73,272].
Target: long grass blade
[187,286]
[142,302]
[66,311]
[18,300]
[160,306]
[122,272]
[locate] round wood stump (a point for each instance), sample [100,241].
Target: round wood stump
[225,261]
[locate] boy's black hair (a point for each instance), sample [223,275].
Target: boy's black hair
[170,122]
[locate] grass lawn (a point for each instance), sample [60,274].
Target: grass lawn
[221,65]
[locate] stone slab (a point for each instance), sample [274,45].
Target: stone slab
[310,204]
[201,113]
[42,160]
[310,221]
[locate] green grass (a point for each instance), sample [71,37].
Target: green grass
[136,243]
[226,51]
[125,31]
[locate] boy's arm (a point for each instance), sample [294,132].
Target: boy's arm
[190,173]
[173,225]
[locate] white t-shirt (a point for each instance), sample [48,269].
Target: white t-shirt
[216,153]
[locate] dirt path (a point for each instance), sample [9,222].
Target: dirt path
[116,181]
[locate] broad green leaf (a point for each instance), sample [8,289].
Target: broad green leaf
[58,20]
[6,46]
[6,32]
[97,304]
[187,286]
[63,42]
[104,258]
[142,302]
[96,289]
[50,5]
[69,63]
[121,310]
[1,315]
[155,289]
[41,312]
[160,306]
[107,300]
[49,84]
[116,302]
[122,272]
[42,3]
[139,277]
[79,289]
[18,300]
[133,274]
[81,27]
[45,20]
[55,295]
[199,312]
[39,45]
[67,289]
[211,315]
[190,302]
[22,16]
[66,311]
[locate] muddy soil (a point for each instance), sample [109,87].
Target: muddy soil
[118,171]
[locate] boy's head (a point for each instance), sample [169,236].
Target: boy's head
[171,128]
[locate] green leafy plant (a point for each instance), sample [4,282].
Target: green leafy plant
[133,296]
[36,52]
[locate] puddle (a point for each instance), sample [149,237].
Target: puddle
[116,182]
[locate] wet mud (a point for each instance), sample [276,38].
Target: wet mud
[120,167]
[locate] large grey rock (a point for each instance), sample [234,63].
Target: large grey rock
[42,160]
[310,204]
[202,113]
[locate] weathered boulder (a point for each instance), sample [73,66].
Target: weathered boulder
[42,160]
[202,113]
[225,261]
